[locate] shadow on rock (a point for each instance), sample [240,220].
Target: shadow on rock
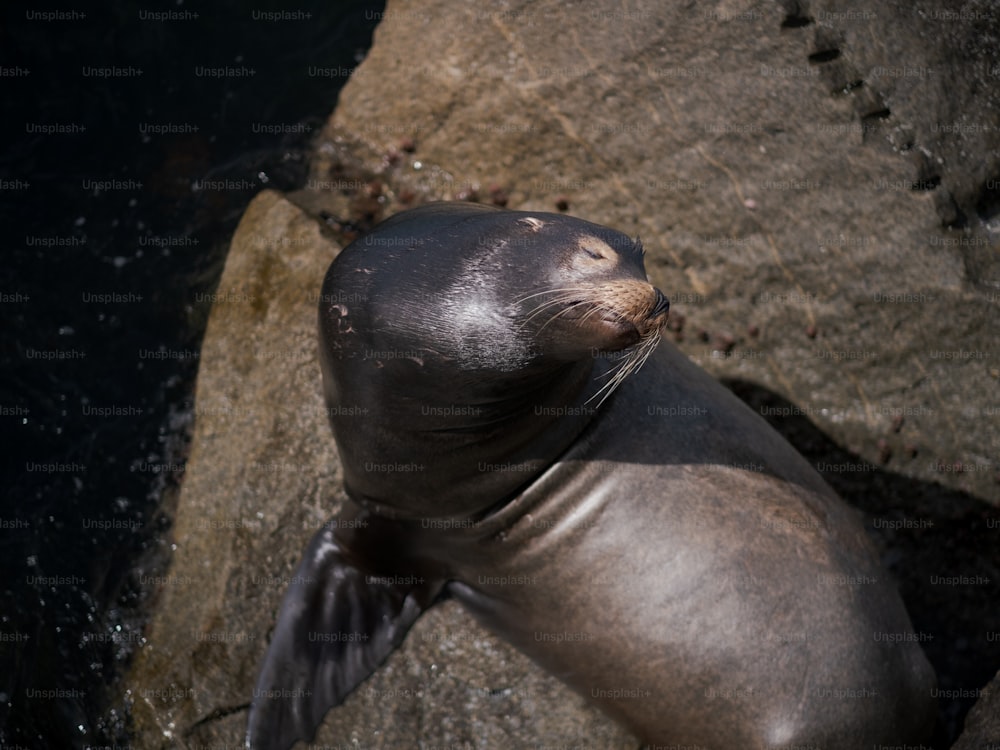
[939,544]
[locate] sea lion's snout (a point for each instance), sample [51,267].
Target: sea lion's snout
[648,310]
[618,314]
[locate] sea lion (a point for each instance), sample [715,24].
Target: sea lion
[497,450]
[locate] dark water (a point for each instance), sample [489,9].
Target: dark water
[133,137]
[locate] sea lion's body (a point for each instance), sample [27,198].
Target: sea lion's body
[666,554]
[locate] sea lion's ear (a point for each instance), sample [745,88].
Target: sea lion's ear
[337,623]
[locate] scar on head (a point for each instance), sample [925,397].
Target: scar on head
[532,222]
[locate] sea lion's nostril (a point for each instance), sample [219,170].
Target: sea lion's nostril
[662,304]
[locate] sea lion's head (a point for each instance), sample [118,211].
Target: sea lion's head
[461,329]
[480,288]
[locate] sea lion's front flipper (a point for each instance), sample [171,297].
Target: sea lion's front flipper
[340,618]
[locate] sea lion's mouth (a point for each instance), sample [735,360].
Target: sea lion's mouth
[636,344]
[621,323]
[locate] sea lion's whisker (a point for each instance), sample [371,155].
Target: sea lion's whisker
[567,296]
[558,290]
[630,364]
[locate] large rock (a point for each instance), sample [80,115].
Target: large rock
[817,189]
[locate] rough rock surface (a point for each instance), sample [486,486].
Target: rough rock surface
[818,189]
[252,443]
[982,726]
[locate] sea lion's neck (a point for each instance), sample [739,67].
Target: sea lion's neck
[455,450]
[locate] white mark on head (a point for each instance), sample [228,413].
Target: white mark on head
[532,222]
